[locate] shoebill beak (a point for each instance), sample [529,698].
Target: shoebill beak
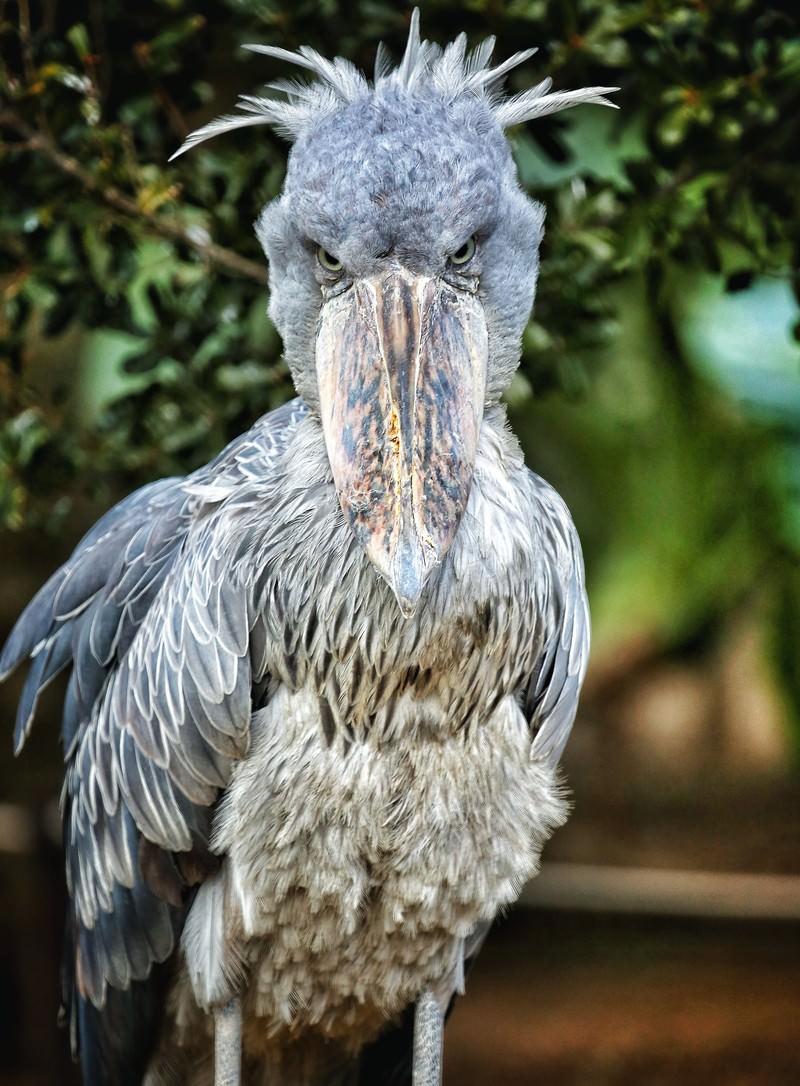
[401,367]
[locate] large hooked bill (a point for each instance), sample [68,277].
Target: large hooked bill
[401,368]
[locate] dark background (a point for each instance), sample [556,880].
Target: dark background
[659,391]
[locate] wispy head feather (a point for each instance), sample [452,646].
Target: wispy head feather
[452,72]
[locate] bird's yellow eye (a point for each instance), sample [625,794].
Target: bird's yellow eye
[328,261]
[464,254]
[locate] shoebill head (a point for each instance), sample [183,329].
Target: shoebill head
[403,262]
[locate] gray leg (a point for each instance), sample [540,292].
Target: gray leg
[428,1035]
[228,1044]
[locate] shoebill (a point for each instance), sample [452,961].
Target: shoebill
[320,687]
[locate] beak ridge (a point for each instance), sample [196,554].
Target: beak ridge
[401,367]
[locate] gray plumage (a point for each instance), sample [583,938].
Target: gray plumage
[311,739]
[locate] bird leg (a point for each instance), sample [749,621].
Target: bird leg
[428,1036]
[228,1043]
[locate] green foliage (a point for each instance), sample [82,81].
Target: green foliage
[135,341]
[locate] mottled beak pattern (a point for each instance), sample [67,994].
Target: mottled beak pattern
[401,366]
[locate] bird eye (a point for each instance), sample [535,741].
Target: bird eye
[328,261]
[464,254]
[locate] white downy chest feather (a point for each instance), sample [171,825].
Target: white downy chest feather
[353,872]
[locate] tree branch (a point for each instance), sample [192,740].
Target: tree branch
[110,195]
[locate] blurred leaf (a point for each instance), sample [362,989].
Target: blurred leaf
[595,144]
[744,341]
[78,37]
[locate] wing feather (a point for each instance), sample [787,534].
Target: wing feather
[51,659]
[154,618]
[551,699]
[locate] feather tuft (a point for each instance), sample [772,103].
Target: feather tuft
[215,963]
[451,72]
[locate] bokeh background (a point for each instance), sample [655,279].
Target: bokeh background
[659,391]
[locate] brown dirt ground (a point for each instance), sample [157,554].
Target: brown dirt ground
[573,1000]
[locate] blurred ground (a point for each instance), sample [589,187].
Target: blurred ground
[560,999]
[575,1000]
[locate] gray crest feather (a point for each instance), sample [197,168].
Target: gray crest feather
[451,71]
[536,102]
[480,56]
[485,78]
